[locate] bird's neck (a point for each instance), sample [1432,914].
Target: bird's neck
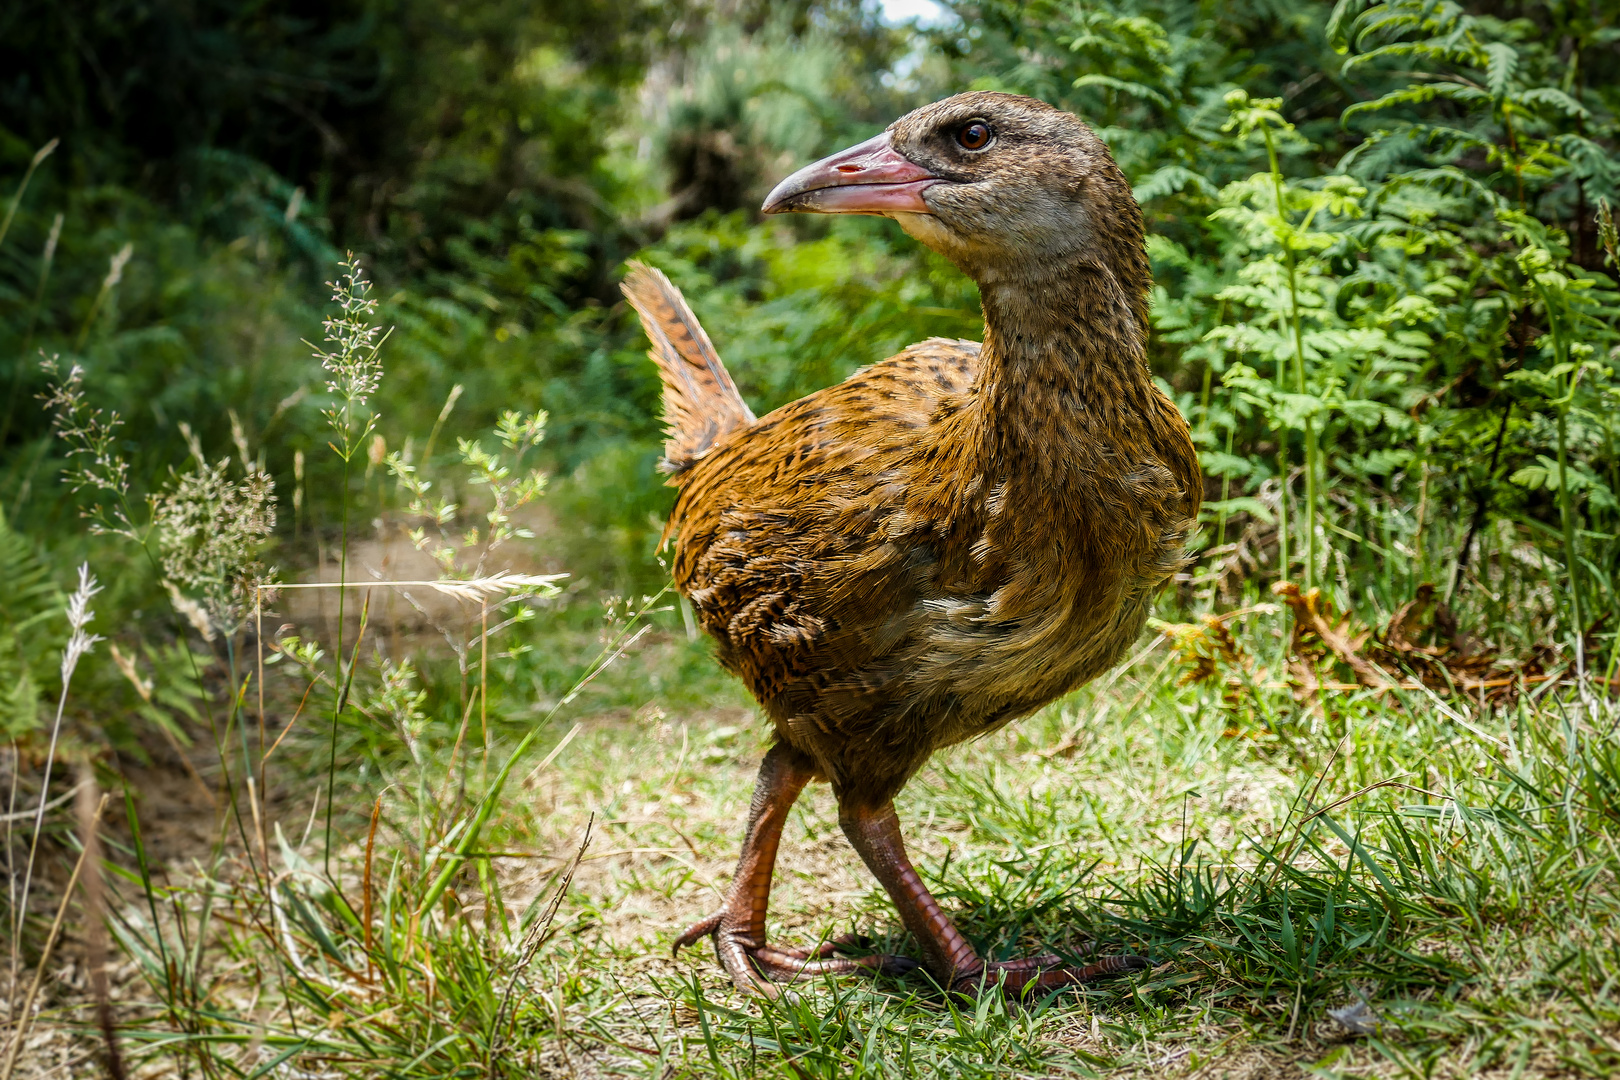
[1063,373]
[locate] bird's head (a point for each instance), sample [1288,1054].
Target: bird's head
[1004,186]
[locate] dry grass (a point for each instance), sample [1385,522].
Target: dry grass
[1490,978]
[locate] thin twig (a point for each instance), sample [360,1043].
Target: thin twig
[552,756]
[462,588]
[302,701]
[1354,795]
[258,649]
[95,925]
[25,1017]
[365,917]
[24,815]
[538,935]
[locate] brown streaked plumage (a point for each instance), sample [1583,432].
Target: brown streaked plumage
[950,538]
[701,403]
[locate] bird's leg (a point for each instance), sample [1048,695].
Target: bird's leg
[875,834]
[738,928]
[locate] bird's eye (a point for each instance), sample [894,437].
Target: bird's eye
[974,136]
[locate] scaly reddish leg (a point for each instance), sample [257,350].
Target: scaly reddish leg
[875,834]
[738,928]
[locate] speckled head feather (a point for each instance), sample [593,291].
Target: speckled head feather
[1016,193]
[1040,195]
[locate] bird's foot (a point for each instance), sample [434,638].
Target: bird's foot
[1035,975]
[756,966]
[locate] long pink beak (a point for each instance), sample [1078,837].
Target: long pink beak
[872,178]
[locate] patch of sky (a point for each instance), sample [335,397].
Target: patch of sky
[925,13]
[921,15]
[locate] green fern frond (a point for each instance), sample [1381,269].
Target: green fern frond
[29,601]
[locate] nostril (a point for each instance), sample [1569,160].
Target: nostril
[849,168]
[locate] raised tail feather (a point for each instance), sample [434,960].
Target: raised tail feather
[701,403]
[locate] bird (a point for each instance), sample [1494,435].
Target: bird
[950,538]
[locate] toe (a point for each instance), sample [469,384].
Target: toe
[1040,981]
[783,966]
[1107,967]
[830,947]
[701,928]
[756,967]
[1042,974]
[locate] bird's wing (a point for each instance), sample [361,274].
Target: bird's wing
[784,543]
[701,403]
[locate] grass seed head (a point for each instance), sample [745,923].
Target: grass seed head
[351,357]
[91,436]
[210,528]
[79,615]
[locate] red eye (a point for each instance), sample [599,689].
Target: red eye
[974,136]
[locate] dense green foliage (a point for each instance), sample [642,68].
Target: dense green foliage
[1436,255]
[1386,304]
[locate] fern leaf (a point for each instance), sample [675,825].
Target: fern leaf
[19,693]
[1169,180]
[1136,90]
[1555,98]
[1415,94]
[1344,12]
[1501,63]
[29,589]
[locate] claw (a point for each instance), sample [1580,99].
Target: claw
[1039,974]
[701,928]
[756,967]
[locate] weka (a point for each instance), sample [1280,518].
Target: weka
[950,538]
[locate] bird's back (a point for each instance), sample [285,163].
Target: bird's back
[776,523]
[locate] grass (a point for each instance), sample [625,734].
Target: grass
[473,861]
[529,793]
[1449,870]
